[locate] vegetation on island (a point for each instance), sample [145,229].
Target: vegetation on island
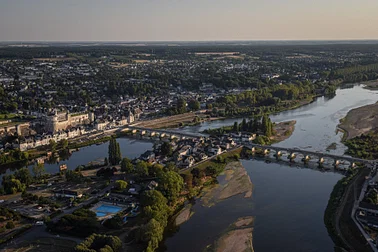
[364,146]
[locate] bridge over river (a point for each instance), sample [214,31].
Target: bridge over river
[292,152]
[307,154]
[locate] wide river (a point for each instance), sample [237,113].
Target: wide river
[288,202]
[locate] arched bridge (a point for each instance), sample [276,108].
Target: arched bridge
[292,152]
[161,132]
[307,155]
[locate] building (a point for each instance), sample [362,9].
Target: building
[67,194]
[64,120]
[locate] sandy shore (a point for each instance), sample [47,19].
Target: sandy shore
[372,85]
[184,215]
[283,130]
[238,238]
[360,121]
[236,181]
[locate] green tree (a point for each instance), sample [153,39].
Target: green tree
[181,105]
[166,149]
[171,184]
[152,234]
[38,170]
[194,105]
[127,166]
[10,225]
[141,169]
[114,152]
[235,128]
[120,185]
[52,145]
[24,176]
[64,143]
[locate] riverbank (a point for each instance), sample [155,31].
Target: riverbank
[283,130]
[237,238]
[234,180]
[371,85]
[340,226]
[359,121]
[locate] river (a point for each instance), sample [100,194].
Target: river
[288,202]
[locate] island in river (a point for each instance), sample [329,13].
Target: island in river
[237,238]
[360,121]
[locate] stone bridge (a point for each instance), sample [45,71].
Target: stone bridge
[161,132]
[292,152]
[308,155]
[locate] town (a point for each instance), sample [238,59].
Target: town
[58,101]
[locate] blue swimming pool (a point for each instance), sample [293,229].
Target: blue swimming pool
[100,214]
[104,210]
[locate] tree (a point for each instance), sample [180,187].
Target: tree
[141,169]
[101,243]
[12,185]
[120,185]
[181,105]
[64,143]
[52,145]
[194,105]
[236,127]
[188,178]
[24,176]
[10,225]
[151,233]
[114,152]
[171,184]
[244,125]
[166,149]
[127,166]
[38,170]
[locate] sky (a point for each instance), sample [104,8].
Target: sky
[187,20]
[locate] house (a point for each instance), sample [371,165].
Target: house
[152,185]
[203,156]
[215,150]
[148,156]
[247,137]
[189,161]
[67,194]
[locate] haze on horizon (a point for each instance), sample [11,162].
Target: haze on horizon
[187,20]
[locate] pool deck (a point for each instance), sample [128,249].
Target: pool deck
[107,214]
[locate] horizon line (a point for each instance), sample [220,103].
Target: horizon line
[177,41]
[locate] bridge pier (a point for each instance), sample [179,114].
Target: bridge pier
[253,149]
[291,156]
[266,151]
[306,158]
[337,162]
[353,165]
[278,154]
[321,160]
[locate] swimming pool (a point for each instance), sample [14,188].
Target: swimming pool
[104,210]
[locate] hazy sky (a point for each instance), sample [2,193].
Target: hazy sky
[145,20]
